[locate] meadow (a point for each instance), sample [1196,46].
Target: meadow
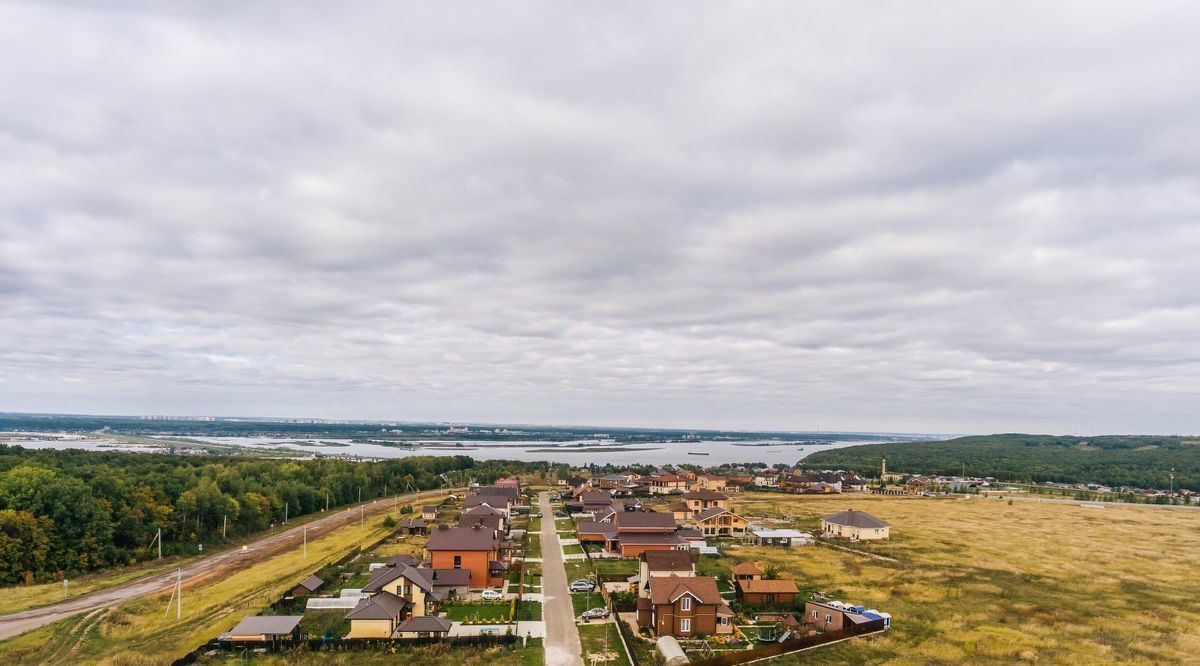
[983,581]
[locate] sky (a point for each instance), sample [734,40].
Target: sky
[906,217]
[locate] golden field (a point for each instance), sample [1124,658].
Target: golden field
[983,581]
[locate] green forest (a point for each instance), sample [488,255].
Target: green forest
[1115,460]
[69,512]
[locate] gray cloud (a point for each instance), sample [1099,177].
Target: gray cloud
[857,216]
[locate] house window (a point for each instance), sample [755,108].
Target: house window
[828,619]
[458,561]
[816,616]
[687,604]
[685,625]
[724,620]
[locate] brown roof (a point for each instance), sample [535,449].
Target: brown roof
[608,530]
[666,589]
[426,623]
[639,520]
[852,518]
[680,506]
[492,522]
[712,512]
[746,569]
[312,583]
[705,494]
[382,606]
[768,586]
[461,538]
[651,539]
[271,625]
[668,560]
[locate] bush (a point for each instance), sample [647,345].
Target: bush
[388,521]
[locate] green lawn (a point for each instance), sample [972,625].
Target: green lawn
[582,601]
[572,549]
[330,623]
[532,654]
[577,569]
[535,525]
[529,610]
[713,566]
[485,612]
[593,640]
[533,546]
[616,566]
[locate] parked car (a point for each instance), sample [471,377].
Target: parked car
[491,595]
[594,614]
[582,585]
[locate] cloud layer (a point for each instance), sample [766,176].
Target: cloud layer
[942,218]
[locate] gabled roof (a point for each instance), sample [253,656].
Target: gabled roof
[430,508]
[311,583]
[666,589]
[483,510]
[777,586]
[640,520]
[680,506]
[509,492]
[388,574]
[446,577]
[668,560]
[266,624]
[496,501]
[596,497]
[706,495]
[382,606]
[852,518]
[491,522]
[711,512]
[461,538]
[608,530]
[397,560]
[651,539]
[411,523]
[746,569]
[426,623]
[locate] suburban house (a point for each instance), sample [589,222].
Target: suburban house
[699,500]
[475,549]
[378,615]
[307,586]
[422,587]
[709,482]
[759,591]
[719,522]
[856,525]
[681,511]
[483,515]
[685,607]
[665,484]
[746,571]
[640,531]
[663,563]
[766,480]
[497,502]
[825,481]
[595,500]
[429,512]
[264,629]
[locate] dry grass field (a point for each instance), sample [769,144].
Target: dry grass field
[982,581]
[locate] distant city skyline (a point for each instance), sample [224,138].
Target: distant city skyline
[920,218]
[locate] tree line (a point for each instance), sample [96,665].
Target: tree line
[68,512]
[1139,461]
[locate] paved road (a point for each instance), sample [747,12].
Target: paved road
[193,572]
[562,638]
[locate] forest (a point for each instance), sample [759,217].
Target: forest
[68,512]
[1140,461]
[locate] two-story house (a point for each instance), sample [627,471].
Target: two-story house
[664,563]
[699,500]
[685,607]
[639,531]
[475,549]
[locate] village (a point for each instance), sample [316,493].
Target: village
[650,560]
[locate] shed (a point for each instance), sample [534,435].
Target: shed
[265,628]
[307,586]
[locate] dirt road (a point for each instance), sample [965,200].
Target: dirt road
[196,571]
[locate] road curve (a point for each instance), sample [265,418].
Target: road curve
[195,571]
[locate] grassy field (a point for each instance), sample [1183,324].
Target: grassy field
[137,632]
[533,546]
[592,638]
[582,601]
[325,623]
[982,581]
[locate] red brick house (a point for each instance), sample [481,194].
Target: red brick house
[685,607]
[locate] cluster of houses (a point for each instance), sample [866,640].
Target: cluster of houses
[403,596]
[676,481]
[627,528]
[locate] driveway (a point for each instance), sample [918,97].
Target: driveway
[562,638]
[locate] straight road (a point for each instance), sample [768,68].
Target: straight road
[196,570]
[562,638]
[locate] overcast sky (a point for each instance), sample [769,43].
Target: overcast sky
[880,216]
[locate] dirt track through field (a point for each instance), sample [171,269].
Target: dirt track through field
[198,572]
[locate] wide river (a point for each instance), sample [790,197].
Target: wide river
[580,452]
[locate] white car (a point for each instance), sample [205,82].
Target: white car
[491,595]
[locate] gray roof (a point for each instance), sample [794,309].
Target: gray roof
[852,518]
[382,606]
[606,529]
[644,520]
[410,560]
[427,623]
[461,538]
[272,625]
[446,577]
[312,583]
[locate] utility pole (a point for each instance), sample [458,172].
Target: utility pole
[285,512]
[1172,482]
[362,515]
[326,499]
[224,524]
[360,494]
[179,597]
[306,542]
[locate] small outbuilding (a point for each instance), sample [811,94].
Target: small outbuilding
[307,586]
[265,629]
